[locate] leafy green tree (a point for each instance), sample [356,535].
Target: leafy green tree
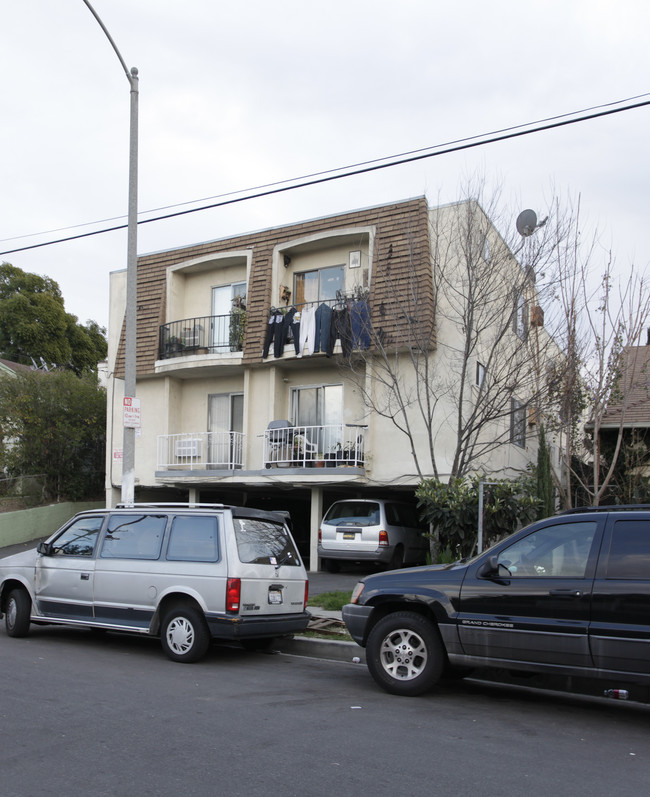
[54,424]
[34,324]
[452,510]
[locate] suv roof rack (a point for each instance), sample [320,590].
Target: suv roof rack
[605,508]
[169,505]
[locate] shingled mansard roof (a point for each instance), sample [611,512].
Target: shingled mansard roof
[632,406]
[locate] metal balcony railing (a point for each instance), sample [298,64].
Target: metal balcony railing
[213,334]
[201,451]
[335,445]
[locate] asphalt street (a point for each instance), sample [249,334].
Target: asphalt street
[96,716]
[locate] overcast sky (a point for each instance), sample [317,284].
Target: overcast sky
[240,94]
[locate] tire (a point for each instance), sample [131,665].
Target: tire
[405,654]
[184,635]
[331,565]
[19,608]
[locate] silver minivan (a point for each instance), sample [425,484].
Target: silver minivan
[380,531]
[184,573]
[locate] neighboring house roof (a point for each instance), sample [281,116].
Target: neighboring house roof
[9,367]
[633,405]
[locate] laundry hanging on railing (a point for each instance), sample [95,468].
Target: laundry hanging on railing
[317,329]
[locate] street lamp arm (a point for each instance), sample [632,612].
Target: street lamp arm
[131,75]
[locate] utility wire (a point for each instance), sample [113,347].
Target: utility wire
[366,167]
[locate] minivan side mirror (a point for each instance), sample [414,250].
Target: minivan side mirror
[45,548]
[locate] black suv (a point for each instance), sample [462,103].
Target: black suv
[569,595]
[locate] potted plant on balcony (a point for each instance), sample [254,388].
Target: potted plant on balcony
[237,325]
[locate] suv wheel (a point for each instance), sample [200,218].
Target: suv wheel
[184,635]
[19,607]
[405,654]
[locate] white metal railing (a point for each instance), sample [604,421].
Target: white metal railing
[335,445]
[201,451]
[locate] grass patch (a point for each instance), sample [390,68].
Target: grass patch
[341,636]
[331,601]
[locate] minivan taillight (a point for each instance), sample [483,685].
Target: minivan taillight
[233,594]
[306,594]
[383,539]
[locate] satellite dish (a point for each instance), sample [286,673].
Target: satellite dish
[526,222]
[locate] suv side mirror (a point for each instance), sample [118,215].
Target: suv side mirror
[492,568]
[45,548]
[489,568]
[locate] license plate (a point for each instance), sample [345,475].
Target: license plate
[349,535]
[275,596]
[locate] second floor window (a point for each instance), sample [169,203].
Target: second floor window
[320,285]
[518,423]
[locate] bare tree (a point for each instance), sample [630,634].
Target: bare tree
[463,356]
[600,320]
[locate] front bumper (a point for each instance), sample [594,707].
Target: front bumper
[356,619]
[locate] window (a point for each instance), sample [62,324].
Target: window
[320,407]
[193,539]
[263,542]
[79,539]
[480,374]
[558,551]
[520,324]
[228,316]
[320,285]
[518,423]
[225,428]
[134,537]
[629,553]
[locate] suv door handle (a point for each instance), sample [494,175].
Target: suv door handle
[565,593]
[85,576]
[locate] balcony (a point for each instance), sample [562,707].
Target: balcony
[283,446]
[201,451]
[337,445]
[213,334]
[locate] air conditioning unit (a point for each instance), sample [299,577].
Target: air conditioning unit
[190,447]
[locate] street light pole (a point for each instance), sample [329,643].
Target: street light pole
[128,452]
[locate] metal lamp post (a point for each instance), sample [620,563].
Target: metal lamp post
[128,460]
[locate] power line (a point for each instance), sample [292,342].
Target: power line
[367,166]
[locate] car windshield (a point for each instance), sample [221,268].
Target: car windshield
[358,513]
[265,543]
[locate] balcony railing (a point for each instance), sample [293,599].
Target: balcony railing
[336,445]
[213,334]
[201,451]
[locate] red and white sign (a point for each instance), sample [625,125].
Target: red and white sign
[131,412]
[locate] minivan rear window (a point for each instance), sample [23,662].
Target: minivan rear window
[359,513]
[264,543]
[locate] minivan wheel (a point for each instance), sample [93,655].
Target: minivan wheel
[184,635]
[405,654]
[331,565]
[19,607]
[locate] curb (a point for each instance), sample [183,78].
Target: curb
[331,650]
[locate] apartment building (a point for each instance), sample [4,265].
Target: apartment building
[256,364]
